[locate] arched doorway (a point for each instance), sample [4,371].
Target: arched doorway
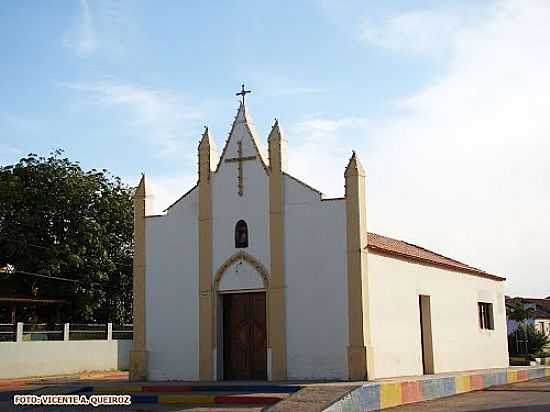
[241,285]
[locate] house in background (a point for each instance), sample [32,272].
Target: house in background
[539,314]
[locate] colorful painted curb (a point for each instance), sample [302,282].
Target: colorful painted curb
[376,396]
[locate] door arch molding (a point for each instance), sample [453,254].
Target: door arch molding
[241,255]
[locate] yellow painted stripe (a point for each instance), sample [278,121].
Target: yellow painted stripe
[92,375]
[205,399]
[118,389]
[462,383]
[390,395]
[547,372]
[512,376]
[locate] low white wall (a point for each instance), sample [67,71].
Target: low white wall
[45,358]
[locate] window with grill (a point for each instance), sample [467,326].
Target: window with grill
[486,320]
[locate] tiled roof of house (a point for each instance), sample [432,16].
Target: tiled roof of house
[399,248]
[541,314]
[541,306]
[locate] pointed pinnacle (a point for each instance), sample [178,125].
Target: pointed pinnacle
[241,112]
[205,139]
[140,190]
[276,133]
[354,167]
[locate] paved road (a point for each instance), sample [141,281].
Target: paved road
[531,396]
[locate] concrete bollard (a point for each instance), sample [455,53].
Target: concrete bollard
[109,331]
[19,332]
[66,331]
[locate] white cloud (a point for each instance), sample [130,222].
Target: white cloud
[161,116]
[82,38]
[418,31]
[324,142]
[463,168]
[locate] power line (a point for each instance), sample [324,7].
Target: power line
[24,242]
[22,272]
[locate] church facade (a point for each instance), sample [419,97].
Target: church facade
[253,275]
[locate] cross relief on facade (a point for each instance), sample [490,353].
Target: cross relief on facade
[239,160]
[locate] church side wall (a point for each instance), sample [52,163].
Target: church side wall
[316,288]
[458,341]
[171,292]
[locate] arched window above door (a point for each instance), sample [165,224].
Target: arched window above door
[241,234]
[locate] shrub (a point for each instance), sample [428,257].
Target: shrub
[536,341]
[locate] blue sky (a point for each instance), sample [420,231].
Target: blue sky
[445,102]
[301,59]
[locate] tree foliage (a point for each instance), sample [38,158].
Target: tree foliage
[517,311]
[57,219]
[526,340]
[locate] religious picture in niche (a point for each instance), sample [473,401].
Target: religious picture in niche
[241,234]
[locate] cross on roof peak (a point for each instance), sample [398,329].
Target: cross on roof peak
[243,93]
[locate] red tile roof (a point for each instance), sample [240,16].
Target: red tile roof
[542,306]
[388,246]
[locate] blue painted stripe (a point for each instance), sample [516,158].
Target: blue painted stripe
[535,373]
[82,390]
[501,378]
[489,379]
[139,398]
[431,388]
[8,396]
[448,386]
[366,398]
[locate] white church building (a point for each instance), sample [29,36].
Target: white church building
[253,274]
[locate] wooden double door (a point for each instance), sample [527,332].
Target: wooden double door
[244,336]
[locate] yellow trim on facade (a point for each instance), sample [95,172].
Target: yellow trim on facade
[276,293]
[206,301]
[360,357]
[138,355]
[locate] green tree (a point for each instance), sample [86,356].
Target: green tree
[517,311]
[57,219]
[525,338]
[537,340]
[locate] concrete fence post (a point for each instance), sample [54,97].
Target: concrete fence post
[19,332]
[66,331]
[109,331]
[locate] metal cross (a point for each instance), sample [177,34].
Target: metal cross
[243,93]
[240,159]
